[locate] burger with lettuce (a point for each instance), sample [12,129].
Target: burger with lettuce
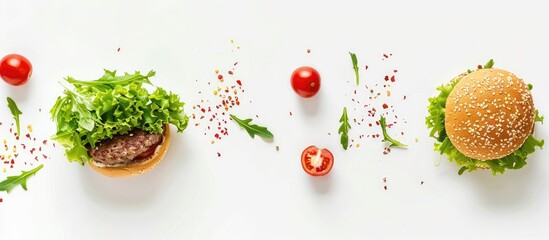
[484,119]
[114,124]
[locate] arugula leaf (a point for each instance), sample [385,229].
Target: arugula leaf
[538,118]
[109,79]
[12,181]
[386,137]
[489,64]
[355,66]
[435,121]
[15,112]
[344,129]
[92,111]
[253,129]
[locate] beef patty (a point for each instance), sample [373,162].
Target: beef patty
[123,149]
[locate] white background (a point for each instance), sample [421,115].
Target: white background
[253,191]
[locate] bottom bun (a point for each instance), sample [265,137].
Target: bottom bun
[137,168]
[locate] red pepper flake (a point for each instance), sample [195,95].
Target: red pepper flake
[308,50]
[385,179]
[421,183]
[386,79]
[118,50]
[385,106]
[291,113]
[220,77]
[393,78]
[235,63]
[479,66]
[45,142]
[385,56]
[218,154]
[404,97]
[239,82]
[45,157]
[230,72]
[366,67]
[385,187]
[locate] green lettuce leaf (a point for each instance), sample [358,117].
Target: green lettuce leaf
[435,122]
[97,110]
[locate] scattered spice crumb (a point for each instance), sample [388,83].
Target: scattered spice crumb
[421,183]
[308,50]
[18,152]
[118,50]
[277,148]
[218,154]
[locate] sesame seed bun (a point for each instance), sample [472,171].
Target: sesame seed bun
[137,168]
[489,114]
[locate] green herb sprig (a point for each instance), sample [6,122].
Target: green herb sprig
[489,64]
[15,112]
[344,129]
[387,138]
[355,67]
[13,181]
[253,129]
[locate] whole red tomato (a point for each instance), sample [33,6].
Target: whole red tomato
[15,69]
[305,81]
[316,161]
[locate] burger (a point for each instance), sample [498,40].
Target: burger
[484,119]
[114,124]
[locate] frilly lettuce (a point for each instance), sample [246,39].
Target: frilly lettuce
[92,111]
[435,121]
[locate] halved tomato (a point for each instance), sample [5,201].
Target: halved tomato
[316,161]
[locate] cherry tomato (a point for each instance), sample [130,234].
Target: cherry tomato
[306,81]
[316,161]
[15,69]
